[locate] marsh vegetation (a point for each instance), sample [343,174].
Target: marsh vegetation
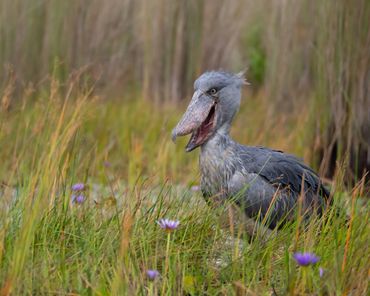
[90,91]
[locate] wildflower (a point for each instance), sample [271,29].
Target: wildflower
[78,198]
[107,164]
[78,187]
[152,274]
[168,225]
[195,188]
[321,271]
[305,259]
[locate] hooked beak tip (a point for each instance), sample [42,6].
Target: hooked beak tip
[174,136]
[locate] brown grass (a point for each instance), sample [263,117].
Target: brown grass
[315,57]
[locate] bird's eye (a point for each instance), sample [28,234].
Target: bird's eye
[212,91]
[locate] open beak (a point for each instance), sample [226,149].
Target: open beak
[199,119]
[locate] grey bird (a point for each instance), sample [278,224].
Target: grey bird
[265,183]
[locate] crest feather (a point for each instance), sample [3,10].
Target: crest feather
[241,76]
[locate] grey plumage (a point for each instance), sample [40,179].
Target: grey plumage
[260,180]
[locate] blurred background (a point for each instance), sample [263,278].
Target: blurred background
[308,63]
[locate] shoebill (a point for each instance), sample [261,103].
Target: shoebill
[266,184]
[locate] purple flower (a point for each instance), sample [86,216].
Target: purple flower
[321,271]
[305,259]
[107,164]
[168,225]
[195,188]
[78,198]
[78,187]
[152,274]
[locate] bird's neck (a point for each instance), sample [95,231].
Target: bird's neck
[216,162]
[218,142]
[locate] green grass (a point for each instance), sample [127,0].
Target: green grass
[121,148]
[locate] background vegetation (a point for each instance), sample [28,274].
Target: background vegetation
[89,93]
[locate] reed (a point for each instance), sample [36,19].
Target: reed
[301,55]
[89,91]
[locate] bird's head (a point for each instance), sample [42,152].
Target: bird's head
[215,101]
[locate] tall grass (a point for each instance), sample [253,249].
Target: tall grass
[122,151]
[319,53]
[303,54]
[162,45]
[308,63]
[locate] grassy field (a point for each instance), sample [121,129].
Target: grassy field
[89,93]
[121,150]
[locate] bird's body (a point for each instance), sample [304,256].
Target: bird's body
[265,183]
[261,180]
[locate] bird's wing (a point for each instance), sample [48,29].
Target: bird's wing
[283,171]
[271,181]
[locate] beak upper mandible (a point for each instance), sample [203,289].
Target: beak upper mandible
[195,114]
